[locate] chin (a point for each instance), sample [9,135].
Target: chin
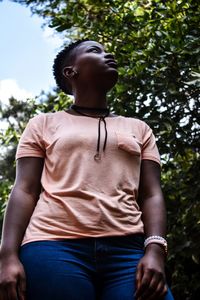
[111,80]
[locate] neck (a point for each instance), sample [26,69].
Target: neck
[90,99]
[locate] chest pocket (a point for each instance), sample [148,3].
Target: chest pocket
[129,143]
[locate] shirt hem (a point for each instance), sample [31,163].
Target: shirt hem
[152,158]
[81,236]
[29,155]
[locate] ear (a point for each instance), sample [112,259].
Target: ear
[68,72]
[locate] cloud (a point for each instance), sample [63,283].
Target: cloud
[52,37]
[9,88]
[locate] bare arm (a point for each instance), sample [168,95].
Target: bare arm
[151,199]
[150,272]
[20,207]
[22,202]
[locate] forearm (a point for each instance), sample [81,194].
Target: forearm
[150,275]
[19,210]
[154,215]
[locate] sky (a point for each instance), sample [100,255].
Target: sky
[27,52]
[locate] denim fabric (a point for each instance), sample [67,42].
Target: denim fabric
[83,269]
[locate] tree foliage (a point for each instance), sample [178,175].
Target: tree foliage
[156,44]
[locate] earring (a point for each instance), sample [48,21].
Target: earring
[74,73]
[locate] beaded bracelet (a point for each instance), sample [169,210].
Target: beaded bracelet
[156,239]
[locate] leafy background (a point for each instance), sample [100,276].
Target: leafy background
[156,44]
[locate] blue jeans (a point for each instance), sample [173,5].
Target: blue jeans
[83,269]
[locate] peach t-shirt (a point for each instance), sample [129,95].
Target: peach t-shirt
[82,197]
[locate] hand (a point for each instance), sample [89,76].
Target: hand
[150,275]
[12,279]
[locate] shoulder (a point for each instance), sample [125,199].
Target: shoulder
[46,117]
[136,123]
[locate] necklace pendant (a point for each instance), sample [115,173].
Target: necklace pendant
[97,157]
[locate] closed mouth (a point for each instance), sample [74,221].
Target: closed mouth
[111,62]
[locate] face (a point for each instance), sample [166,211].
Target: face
[95,66]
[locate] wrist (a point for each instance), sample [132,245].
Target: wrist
[8,253]
[157,240]
[156,249]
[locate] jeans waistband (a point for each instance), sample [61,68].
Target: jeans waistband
[134,241]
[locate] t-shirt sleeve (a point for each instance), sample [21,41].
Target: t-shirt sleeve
[149,147]
[31,142]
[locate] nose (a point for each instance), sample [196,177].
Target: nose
[109,56]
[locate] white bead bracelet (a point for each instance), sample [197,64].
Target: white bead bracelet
[157,240]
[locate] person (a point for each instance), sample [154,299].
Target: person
[86,217]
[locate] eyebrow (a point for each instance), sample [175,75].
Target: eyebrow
[95,46]
[99,47]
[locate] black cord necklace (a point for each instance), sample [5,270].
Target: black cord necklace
[105,112]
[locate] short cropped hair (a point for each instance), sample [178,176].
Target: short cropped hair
[62,60]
